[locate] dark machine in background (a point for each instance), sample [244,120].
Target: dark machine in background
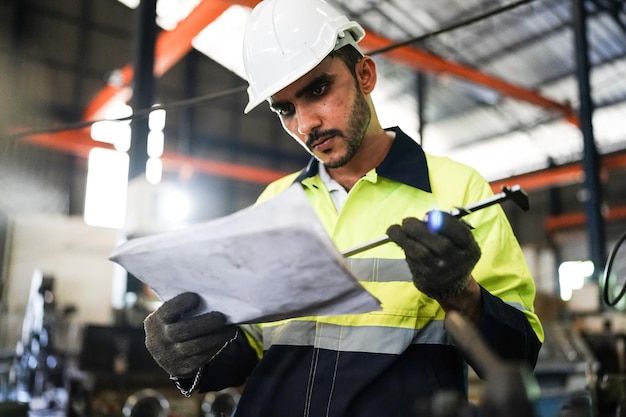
[609,342]
[114,374]
[584,357]
[54,369]
[34,363]
[112,365]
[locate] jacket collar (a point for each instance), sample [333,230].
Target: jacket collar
[405,162]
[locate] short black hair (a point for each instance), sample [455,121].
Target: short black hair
[349,55]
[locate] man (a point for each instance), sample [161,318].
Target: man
[302,56]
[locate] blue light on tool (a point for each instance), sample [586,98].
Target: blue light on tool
[434,220]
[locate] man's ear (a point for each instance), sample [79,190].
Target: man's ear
[366,74]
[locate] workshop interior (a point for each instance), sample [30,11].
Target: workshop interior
[124,118]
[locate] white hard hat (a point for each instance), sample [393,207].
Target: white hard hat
[285,39]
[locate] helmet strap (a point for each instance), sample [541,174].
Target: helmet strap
[344,38]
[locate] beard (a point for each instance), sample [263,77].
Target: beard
[360,117]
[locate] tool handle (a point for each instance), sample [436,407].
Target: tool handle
[514,193]
[365,246]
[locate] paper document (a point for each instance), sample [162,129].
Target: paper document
[268,262]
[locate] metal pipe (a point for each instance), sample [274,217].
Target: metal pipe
[421,84]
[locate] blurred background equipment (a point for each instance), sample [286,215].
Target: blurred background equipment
[221,403]
[53,367]
[615,273]
[146,403]
[510,389]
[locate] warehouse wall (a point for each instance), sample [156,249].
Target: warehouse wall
[74,254]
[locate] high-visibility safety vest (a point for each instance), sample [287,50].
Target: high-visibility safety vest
[381,363]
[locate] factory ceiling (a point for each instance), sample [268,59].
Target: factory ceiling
[495,75]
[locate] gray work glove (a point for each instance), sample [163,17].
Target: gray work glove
[181,343]
[440,257]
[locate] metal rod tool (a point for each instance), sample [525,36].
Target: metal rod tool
[514,193]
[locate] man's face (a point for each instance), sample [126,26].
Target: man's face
[325,111]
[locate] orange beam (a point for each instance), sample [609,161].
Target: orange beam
[111,93]
[571,220]
[177,162]
[79,144]
[563,175]
[424,61]
[74,142]
[247,3]
[173,45]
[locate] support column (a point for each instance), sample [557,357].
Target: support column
[143,84]
[592,186]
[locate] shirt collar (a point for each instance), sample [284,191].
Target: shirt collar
[405,162]
[330,183]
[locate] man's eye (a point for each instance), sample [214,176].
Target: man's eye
[319,90]
[284,111]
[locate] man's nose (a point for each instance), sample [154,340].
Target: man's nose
[308,120]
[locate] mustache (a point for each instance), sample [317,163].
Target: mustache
[314,136]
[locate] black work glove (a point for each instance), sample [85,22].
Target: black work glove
[440,256]
[182,344]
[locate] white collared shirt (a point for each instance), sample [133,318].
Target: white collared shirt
[337,192]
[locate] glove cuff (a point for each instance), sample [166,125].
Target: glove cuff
[469,303]
[454,289]
[179,382]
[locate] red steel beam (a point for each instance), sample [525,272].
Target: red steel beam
[79,144]
[574,220]
[177,162]
[75,142]
[424,61]
[563,175]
